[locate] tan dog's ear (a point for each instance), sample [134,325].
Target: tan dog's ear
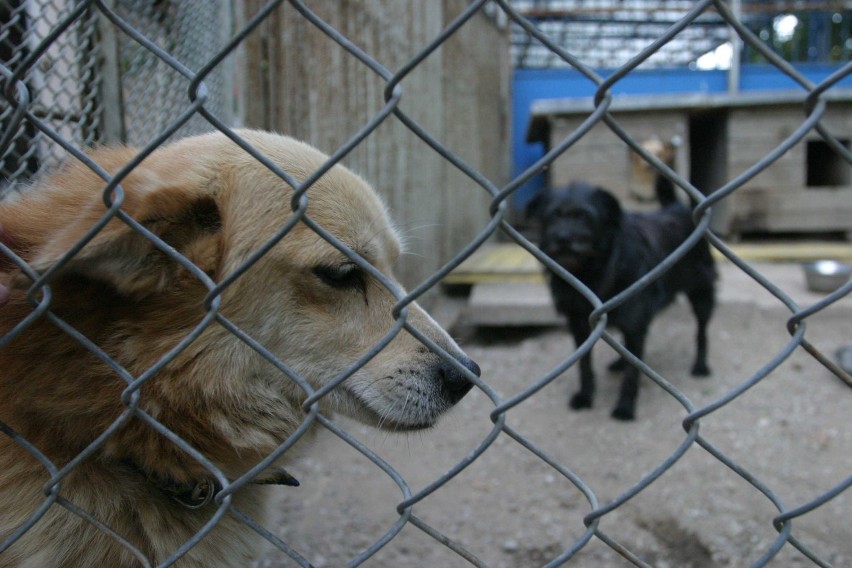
[126,259]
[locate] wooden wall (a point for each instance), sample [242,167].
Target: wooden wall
[298,81]
[781,199]
[602,158]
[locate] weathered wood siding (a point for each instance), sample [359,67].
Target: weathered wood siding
[779,199]
[300,82]
[602,158]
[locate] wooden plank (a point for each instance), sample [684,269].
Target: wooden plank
[509,262]
[302,83]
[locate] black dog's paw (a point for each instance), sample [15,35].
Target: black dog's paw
[619,364]
[700,370]
[625,413]
[580,400]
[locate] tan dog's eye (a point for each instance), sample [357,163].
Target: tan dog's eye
[346,275]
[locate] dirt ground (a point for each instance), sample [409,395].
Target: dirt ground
[510,509]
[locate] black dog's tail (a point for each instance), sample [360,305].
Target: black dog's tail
[665,191]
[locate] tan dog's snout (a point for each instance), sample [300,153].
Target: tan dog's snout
[451,377]
[409,386]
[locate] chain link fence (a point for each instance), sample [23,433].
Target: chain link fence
[54,99]
[59,78]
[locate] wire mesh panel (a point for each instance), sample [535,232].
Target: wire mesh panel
[87,65]
[153,94]
[173,68]
[62,87]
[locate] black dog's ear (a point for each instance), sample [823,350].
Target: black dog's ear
[536,206]
[608,204]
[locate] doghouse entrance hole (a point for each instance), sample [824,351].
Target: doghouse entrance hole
[825,167]
[708,157]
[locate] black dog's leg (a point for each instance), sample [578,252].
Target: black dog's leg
[618,365]
[625,409]
[702,301]
[581,330]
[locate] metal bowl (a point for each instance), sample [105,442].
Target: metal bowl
[826,275]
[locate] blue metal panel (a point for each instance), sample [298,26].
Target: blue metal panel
[769,78]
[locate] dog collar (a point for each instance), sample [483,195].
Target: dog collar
[192,495]
[196,494]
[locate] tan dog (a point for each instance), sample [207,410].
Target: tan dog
[304,300]
[643,176]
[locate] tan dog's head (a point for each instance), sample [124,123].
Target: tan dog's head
[304,300]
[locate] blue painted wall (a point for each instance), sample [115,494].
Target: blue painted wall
[529,85]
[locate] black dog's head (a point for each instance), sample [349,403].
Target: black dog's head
[577,223]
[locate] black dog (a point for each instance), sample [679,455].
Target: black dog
[584,229]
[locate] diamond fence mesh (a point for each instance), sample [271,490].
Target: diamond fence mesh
[54,93]
[61,88]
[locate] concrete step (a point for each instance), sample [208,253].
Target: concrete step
[511,304]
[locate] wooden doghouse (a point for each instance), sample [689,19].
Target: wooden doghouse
[716,138]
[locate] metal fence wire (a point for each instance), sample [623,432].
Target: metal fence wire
[55,103]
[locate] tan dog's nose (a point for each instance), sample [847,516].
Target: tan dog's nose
[454,384]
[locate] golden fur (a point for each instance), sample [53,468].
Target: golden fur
[643,175]
[304,301]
